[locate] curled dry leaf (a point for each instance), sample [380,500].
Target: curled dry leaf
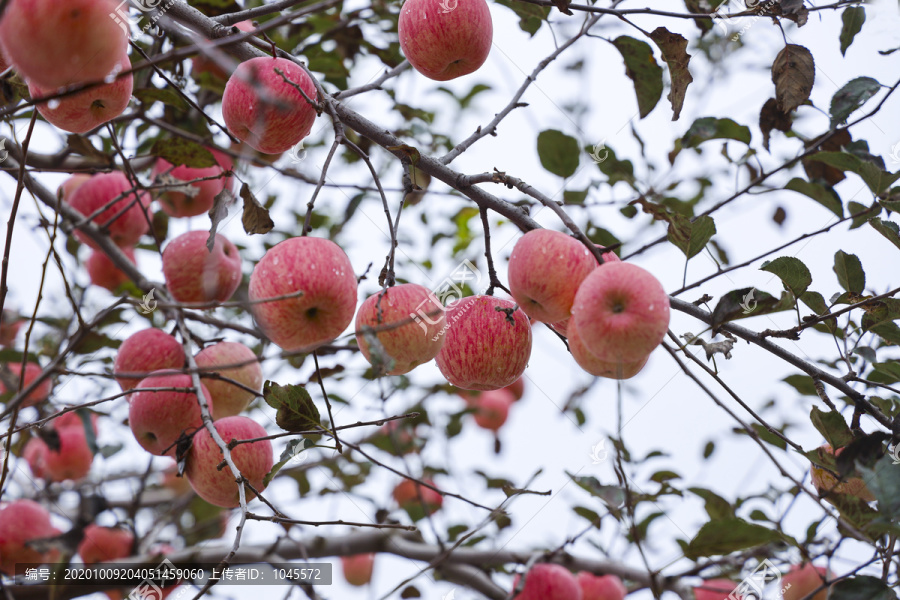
[794,73]
[771,118]
[674,51]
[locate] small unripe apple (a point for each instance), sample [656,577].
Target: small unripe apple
[204,64]
[20,522]
[194,274]
[825,482]
[546,269]
[487,345]
[597,367]
[103,544]
[492,408]
[179,204]
[261,108]
[358,568]
[158,419]
[253,460]
[144,352]
[9,327]
[104,272]
[228,398]
[715,589]
[412,344]
[621,312]
[444,44]
[87,110]
[549,582]
[801,581]
[517,388]
[322,272]
[99,191]
[57,43]
[602,587]
[407,495]
[32,371]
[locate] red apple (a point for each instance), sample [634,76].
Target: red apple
[87,110]
[59,43]
[549,582]
[253,460]
[194,274]
[412,344]
[68,187]
[825,482]
[715,589]
[358,568]
[261,108]
[96,193]
[621,312]
[35,455]
[205,64]
[487,345]
[417,499]
[144,352]
[157,419]
[178,204]
[801,581]
[318,268]
[103,544]
[597,367]
[545,270]
[73,419]
[72,461]
[32,371]
[20,522]
[229,398]
[492,408]
[517,388]
[444,44]
[104,272]
[9,327]
[603,587]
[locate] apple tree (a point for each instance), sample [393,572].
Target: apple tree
[446,296]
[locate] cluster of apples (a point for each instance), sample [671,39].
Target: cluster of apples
[547,581]
[163,408]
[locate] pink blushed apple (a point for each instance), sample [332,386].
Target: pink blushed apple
[104,272]
[204,64]
[86,110]
[545,270]
[621,312]
[358,568]
[144,352]
[158,419]
[487,345]
[715,589]
[35,453]
[100,190]
[318,269]
[32,371]
[72,460]
[492,408]
[230,399]
[597,367]
[517,388]
[9,327]
[254,460]
[68,187]
[103,544]
[179,204]
[265,111]
[22,521]
[416,499]
[548,582]
[801,581]
[415,342]
[602,587]
[194,274]
[57,43]
[444,44]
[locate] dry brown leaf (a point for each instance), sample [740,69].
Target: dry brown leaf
[819,170]
[794,73]
[674,51]
[771,118]
[256,217]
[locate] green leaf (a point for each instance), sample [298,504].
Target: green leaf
[876,178]
[793,273]
[815,301]
[724,536]
[890,371]
[802,383]
[180,151]
[587,513]
[711,128]
[148,96]
[853,18]
[849,272]
[743,303]
[558,152]
[691,236]
[861,586]
[642,68]
[616,170]
[717,507]
[853,95]
[613,496]
[824,195]
[832,426]
[296,411]
[888,229]
[531,16]
[884,482]
[293,448]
